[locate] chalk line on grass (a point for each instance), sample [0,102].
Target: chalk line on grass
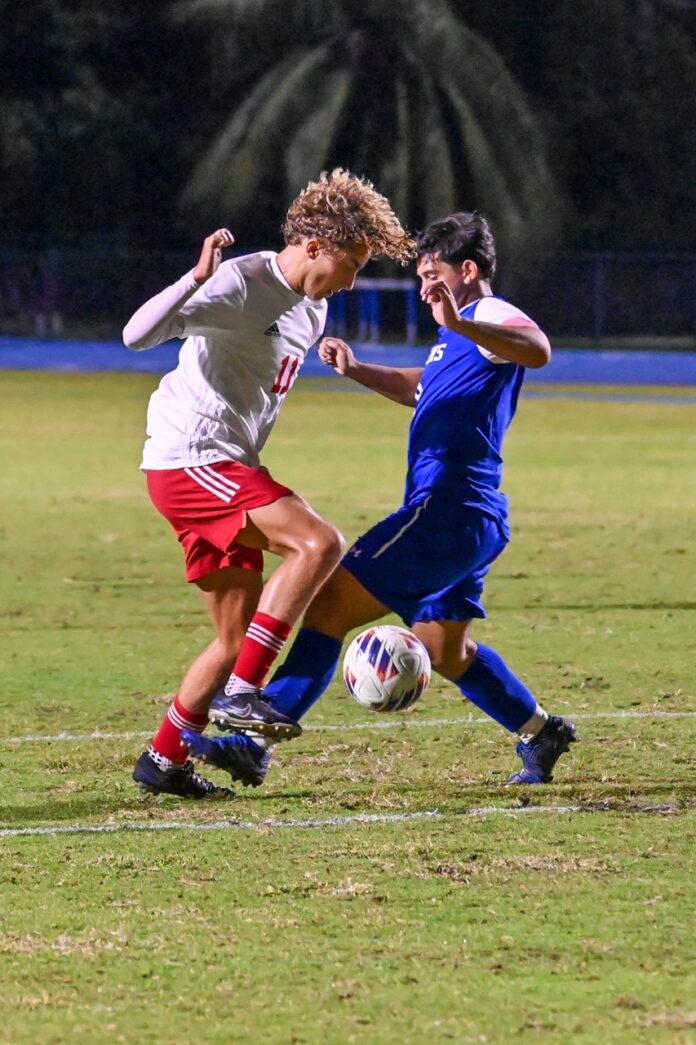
[345,727]
[216,825]
[323,822]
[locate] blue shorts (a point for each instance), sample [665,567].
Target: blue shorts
[428,561]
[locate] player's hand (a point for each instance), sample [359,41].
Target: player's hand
[442,303]
[211,254]
[338,354]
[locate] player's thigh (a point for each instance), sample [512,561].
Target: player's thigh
[341,605]
[448,643]
[287,525]
[231,596]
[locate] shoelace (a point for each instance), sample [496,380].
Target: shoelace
[196,778]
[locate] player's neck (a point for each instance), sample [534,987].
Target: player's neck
[292,261]
[474,291]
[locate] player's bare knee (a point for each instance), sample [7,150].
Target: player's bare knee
[453,661]
[335,546]
[324,549]
[469,650]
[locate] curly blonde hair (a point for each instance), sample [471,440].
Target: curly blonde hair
[340,209]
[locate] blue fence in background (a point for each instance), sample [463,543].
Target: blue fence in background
[571,366]
[91,292]
[369,300]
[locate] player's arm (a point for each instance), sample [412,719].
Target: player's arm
[160,318]
[397,383]
[524,343]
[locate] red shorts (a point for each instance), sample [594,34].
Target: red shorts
[207,505]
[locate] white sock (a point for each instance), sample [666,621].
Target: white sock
[161,761]
[532,726]
[236,685]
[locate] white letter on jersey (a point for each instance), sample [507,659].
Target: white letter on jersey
[436,353]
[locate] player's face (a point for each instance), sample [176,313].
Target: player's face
[432,269]
[334,270]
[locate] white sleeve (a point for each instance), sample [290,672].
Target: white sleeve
[495,310]
[158,319]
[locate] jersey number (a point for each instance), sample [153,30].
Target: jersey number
[286,375]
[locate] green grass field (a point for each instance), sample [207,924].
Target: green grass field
[469,912]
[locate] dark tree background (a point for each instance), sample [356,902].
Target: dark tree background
[617,82]
[106,109]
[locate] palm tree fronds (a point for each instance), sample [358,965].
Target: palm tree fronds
[434,178]
[249,31]
[307,150]
[488,178]
[501,137]
[399,88]
[395,175]
[233,167]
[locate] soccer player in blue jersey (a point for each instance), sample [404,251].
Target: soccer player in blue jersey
[428,560]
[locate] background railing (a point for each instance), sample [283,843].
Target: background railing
[377,308]
[91,293]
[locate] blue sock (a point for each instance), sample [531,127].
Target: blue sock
[306,673]
[491,686]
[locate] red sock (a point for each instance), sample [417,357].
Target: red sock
[264,640]
[167,741]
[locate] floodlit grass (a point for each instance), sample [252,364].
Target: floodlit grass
[293,921]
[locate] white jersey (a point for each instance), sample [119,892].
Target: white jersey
[247,334]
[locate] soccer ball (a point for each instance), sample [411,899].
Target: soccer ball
[386,668]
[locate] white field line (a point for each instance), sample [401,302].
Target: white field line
[321,822]
[216,825]
[347,727]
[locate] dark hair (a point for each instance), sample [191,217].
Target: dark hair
[464,236]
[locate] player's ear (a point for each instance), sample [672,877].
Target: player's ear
[312,246]
[470,271]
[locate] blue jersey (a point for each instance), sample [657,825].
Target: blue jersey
[466,402]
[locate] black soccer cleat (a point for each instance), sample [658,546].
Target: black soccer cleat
[542,753]
[244,760]
[182,781]
[252,711]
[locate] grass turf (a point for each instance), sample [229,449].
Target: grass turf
[468,926]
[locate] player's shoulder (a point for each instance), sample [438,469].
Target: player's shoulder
[253,278]
[230,277]
[248,266]
[495,309]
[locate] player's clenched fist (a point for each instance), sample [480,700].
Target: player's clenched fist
[211,254]
[337,353]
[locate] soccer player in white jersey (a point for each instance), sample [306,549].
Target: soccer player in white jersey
[427,561]
[248,324]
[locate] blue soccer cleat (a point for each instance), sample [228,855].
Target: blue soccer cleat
[176,780]
[253,712]
[542,753]
[238,754]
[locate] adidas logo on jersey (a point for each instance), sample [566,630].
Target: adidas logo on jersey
[273,331]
